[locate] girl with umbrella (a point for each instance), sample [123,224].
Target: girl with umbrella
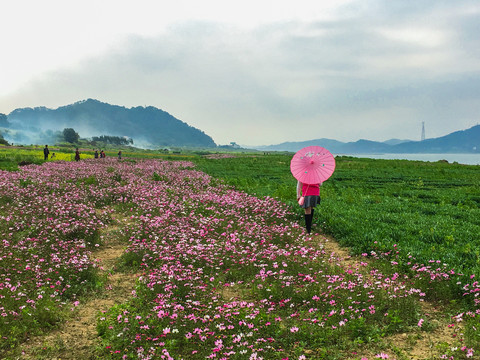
[310,195]
[311,166]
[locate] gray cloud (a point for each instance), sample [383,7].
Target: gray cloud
[376,72]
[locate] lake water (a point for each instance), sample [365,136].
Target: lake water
[467,159]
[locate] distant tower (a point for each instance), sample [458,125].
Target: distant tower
[423,130]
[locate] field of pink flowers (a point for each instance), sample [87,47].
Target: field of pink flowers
[48,227]
[225,275]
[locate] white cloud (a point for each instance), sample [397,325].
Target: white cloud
[253,72]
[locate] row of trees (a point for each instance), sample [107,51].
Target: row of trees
[114,140]
[68,134]
[71,136]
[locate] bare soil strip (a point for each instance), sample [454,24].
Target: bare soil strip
[77,338]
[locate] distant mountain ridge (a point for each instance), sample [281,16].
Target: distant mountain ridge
[462,142]
[152,127]
[145,125]
[395,141]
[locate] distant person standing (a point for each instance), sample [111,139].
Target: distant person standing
[120,155]
[77,155]
[102,154]
[45,152]
[96,154]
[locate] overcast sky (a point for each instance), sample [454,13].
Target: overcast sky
[252,71]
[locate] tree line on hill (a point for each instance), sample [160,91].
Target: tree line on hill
[69,135]
[113,140]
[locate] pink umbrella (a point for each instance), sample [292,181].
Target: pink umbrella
[312,165]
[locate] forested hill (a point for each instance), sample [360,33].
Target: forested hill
[149,126]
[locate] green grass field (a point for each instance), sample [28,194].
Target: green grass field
[429,211]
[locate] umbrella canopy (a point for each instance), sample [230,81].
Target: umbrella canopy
[312,165]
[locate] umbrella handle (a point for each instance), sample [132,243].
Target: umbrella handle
[308,185]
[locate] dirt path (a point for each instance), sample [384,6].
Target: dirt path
[78,337]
